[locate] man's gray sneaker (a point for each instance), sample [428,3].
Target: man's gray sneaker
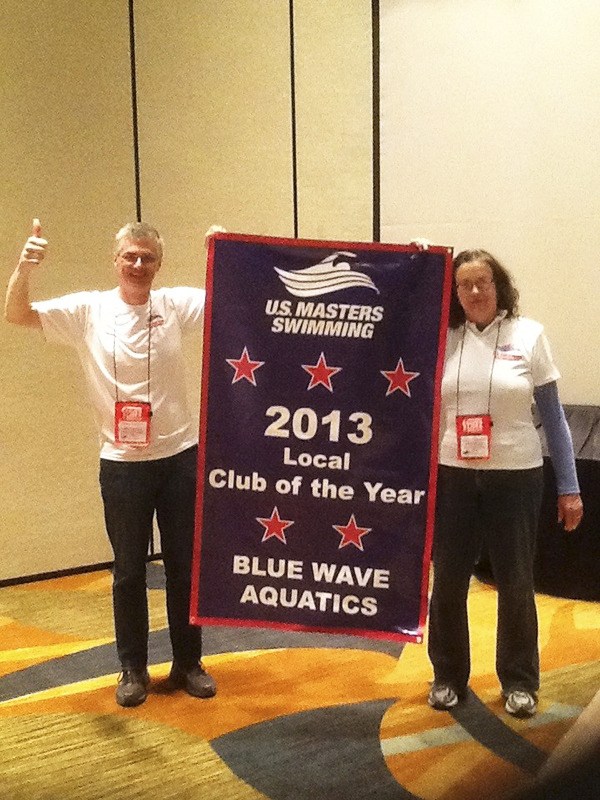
[194,680]
[132,687]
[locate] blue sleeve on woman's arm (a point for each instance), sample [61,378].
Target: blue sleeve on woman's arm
[558,437]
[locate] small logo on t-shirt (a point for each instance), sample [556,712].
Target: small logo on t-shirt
[508,352]
[156,321]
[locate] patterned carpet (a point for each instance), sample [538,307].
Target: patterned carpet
[297,716]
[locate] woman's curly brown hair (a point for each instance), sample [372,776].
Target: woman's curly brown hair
[506,292]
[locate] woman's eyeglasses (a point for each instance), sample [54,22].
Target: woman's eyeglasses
[482,285]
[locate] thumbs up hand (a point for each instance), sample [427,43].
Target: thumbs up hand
[35,247]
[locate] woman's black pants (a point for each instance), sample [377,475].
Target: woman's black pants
[495,511]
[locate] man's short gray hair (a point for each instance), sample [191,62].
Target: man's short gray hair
[138,230]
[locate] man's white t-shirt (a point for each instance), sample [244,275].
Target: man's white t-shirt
[521,359]
[141,342]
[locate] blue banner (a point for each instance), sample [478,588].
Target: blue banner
[318,435]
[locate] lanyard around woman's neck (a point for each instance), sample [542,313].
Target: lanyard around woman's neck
[462,344]
[149,347]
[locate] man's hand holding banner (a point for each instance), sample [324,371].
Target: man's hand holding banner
[318,439]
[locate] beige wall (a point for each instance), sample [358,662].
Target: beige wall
[65,139]
[214,118]
[215,136]
[490,128]
[333,66]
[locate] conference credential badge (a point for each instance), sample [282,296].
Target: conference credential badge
[474,436]
[132,423]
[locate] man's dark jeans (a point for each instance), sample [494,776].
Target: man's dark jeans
[132,493]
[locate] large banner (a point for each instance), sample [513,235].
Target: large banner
[318,435]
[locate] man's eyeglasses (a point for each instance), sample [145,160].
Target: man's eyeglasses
[146,258]
[482,285]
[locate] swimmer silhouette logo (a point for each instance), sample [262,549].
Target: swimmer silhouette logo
[318,423]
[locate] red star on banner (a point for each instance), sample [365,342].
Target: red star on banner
[274,526]
[351,534]
[321,373]
[399,378]
[244,367]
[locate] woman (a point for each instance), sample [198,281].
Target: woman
[490,479]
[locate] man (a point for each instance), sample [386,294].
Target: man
[129,343]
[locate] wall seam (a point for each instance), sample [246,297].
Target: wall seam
[376,71]
[293,120]
[134,112]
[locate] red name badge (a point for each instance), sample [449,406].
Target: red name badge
[132,423]
[474,436]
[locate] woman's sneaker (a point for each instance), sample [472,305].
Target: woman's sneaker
[442,697]
[520,703]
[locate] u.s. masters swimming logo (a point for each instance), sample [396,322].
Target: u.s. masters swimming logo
[331,274]
[306,317]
